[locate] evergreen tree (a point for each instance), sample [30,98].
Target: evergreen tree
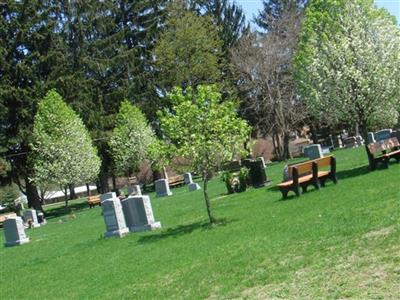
[273,9]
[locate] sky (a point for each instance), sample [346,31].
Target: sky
[251,7]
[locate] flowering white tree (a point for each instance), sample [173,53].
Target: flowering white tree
[63,153]
[348,63]
[131,139]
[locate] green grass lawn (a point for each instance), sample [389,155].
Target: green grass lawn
[340,242]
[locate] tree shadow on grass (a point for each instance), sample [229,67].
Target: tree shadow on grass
[181,230]
[62,211]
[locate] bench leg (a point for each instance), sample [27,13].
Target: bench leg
[304,188]
[297,190]
[284,193]
[322,182]
[334,179]
[385,163]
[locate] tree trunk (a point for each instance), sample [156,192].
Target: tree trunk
[72,194]
[103,182]
[207,199]
[286,148]
[114,182]
[87,189]
[364,131]
[32,195]
[66,196]
[314,134]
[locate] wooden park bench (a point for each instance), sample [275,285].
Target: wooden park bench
[385,150]
[93,201]
[307,173]
[177,180]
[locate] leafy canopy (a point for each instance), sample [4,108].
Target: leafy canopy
[203,128]
[62,149]
[131,138]
[348,63]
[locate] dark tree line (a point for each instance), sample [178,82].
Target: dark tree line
[95,53]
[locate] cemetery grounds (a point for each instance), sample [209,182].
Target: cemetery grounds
[340,242]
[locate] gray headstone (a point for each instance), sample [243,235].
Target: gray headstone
[188,178]
[14,232]
[262,160]
[30,214]
[371,138]
[383,134]
[193,187]
[359,140]
[313,151]
[134,190]
[395,134]
[114,218]
[41,219]
[350,142]
[110,195]
[139,214]
[162,188]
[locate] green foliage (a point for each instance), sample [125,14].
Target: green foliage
[8,194]
[189,52]
[243,178]
[62,149]
[227,177]
[348,63]
[203,128]
[160,154]
[131,139]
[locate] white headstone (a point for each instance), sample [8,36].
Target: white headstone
[162,188]
[188,178]
[313,151]
[110,195]
[134,190]
[14,232]
[139,214]
[30,214]
[193,187]
[114,218]
[262,160]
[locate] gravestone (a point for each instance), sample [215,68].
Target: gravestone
[371,138]
[359,140]
[134,190]
[313,151]
[257,175]
[350,142]
[262,161]
[395,134]
[14,232]
[383,134]
[30,214]
[114,218]
[139,214]
[41,218]
[110,195]
[162,188]
[187,178]
[193,187]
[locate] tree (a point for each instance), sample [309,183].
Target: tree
[205,130]
[264,66]
[189,52]
[131,139]
[29,54]
[62,149]
[273,11]
[348,63]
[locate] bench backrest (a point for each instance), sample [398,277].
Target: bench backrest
[303,168]
[93,198]
[324,161]
[383,145]
[176,178]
